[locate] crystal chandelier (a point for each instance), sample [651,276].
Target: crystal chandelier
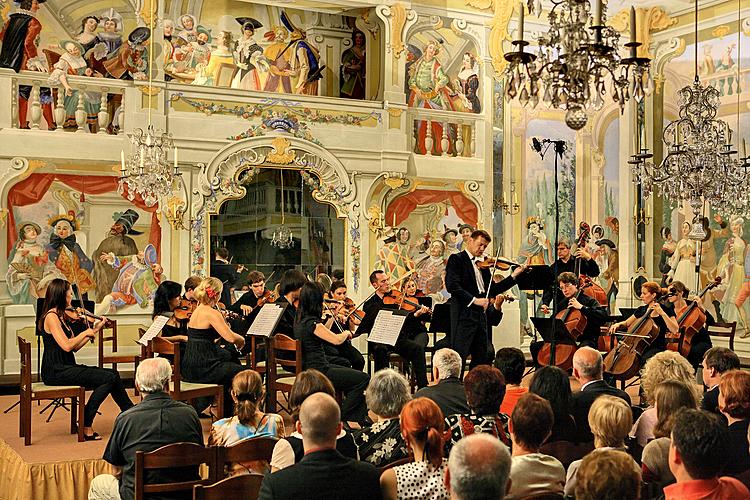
[147,171]
[576,64]
[699,165]
[282,237]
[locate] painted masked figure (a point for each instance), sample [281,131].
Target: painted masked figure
[130,60]
[139,277]
[27,263]
[395,256]
[279,72]
[67,255]
[430,269]
[116,245]
[304,60]
[248,57]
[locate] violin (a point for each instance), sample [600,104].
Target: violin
[624,360]
[575,323]
[497,263]
[183,311]
[400,299]
[691,321]
[78,315]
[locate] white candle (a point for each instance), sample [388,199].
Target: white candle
[141,161]
[744,150]
[520,20]
[122,162]
[632,24]
[598,13]
[175,158]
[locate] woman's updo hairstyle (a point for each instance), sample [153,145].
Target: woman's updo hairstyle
[209,291]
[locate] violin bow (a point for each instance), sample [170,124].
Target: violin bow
[492,273]
[333,316]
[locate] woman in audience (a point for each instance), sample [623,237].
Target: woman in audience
[248,420]
[609,474]
[610,419]
[289,451]
[422,430]
[485,389]
[734,404]
[553,384]
[511,362]
[666,365]
[669,397]
[382,442]
[532,472]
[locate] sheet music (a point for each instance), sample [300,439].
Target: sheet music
[266,320]
[387,327]
[154,329]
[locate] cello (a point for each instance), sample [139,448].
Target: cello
[575,323]
[624,360]
[691,321]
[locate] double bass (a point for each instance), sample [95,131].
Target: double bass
[624,360]
[575,323]
[691,321]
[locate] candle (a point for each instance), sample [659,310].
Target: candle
[394,219]
[175,159]
[122,162]
[598,13]
[141,161]
[744,150]
[520,20]
[632,24]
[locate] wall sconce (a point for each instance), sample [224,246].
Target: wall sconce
[641,216]
[513,207]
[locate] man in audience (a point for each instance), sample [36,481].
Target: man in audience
[156,421]
[587,369]
[716,361]
[449,392]
[696,456]
[323,473]
[511,362]
[478,468]
[531,472]
[610,474]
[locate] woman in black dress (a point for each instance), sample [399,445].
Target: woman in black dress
[167,300]
[59,363]
[206,362]
[309,330]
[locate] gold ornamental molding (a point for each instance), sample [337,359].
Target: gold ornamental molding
[503,9]
[651,20]
[280,153]
[398,17]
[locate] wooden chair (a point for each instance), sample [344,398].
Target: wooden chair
[290,359]
[249,450]
[245,486]
[113,357]
[185,391]
[401,461]
[173,456]
[545,496]
[724,330]
[37,391]
[252,362]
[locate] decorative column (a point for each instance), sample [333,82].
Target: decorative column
[332,37]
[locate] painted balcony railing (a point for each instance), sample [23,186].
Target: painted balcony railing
[444,133]
[727,82]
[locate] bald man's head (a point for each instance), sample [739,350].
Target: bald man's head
[319,421]
[587,364]
[478,468]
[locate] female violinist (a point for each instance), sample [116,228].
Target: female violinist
[337,318]
[663,317]
[694,336]
[167,299]
[60,343]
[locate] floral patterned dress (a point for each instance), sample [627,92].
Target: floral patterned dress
[381,443]
[460,426]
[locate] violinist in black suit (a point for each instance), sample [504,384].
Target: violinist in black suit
[226,272]
[468,284]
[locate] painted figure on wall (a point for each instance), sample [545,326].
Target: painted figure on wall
[27,264]
[731,268]
[116,244]
[449,238]
[304,59]
[72,63]
[468,84]
[280,73]
[248,57]
[667,251]
[536,250]
[130,60]
[169,48]
[199,55]
[395,256]
[430,269]
[188,33]
[139,277]
[111,36]
[611,269]
[428,85]
[87,37]
[353,64]
[465,231]
[220,58]
[682,262]
[67,255]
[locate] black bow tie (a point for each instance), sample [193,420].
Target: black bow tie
[56,242]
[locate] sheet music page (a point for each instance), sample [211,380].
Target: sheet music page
[154,329]
[387,327]
[266,320]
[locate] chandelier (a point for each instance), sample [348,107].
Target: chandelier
[699,165]
[577,63]
[282,237]
[146,171]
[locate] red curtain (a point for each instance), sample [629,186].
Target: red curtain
[33,188]
[402,206]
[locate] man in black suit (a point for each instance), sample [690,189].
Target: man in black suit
[449,393]
[716,362]
[323,473]
[467,285]
[587,369]
[226,272]
[566,262]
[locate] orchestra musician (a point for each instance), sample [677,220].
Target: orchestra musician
[246,306]
[226,272]
[344,354]
[289,288]
[663,316]
[190,285]
[168,300]
[412,339]
[701,341]
[566,262]
[568,297]
[65,332]
[468,286]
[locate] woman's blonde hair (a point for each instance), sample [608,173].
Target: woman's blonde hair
[610,419]
[247,387]
[667,365]
[209,291]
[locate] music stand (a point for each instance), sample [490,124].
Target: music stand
[536,278]
[554,332]
[627,312]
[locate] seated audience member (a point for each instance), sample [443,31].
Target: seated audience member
[734,404]
[587,369]
[666,365]
[248,420]
[716,362]
[323,473]
[382,442]
[696,456]
[289,451]
[669,397]
[511,362]
[609,474]
[422,430]
[553,384]
[610,419]
[449,392]
[485,388]
[745,476]
[478,468]
[532,472]
[154,422]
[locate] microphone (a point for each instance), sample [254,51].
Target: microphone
[536,145]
